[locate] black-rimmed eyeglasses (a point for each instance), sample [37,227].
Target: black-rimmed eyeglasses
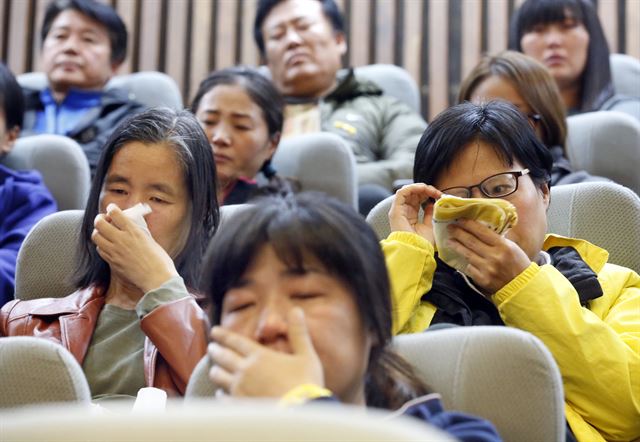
[495,186]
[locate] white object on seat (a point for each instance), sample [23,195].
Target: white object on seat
[502,374]
[394,81]
[150,399]
[37,371]
[603,213]
[62,163]
[217,421]
[320,162]
[606,143]
[150,88]
[625,74]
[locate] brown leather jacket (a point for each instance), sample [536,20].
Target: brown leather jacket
[176,332]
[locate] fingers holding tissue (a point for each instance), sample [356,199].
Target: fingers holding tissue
[124,241]
[404,214]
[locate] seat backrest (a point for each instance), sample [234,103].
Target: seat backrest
[36,371]
[378,217]
[320,162]
[216,421]
[502,374]
[625,74]
[394,81]
[47,259]
[607,144]
[62,163]
[149,88]
[603,213]
[199,385]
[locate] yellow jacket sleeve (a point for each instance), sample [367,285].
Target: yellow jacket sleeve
[411,265]
[597,348]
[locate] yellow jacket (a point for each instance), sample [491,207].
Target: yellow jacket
[597,348]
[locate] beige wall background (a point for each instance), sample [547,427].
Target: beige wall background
[437,41]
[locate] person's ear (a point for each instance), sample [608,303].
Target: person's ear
[341,41]
[546,195]
[273,144]
[115,66]
[10,137]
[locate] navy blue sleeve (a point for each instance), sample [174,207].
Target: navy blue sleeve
[24,200]
[465,427]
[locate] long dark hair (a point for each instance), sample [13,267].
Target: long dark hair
[264,94]
[497,123]
[182,132]
[312,225]
[596,86]
[11,98]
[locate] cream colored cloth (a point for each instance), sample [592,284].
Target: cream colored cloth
[497,214]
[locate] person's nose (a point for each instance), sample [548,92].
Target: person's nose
[553,37]
[71,44]
[221,136]
[272,327]
[477,193]
[292,38]
[131,200]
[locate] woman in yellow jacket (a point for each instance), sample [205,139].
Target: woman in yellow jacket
[562,290]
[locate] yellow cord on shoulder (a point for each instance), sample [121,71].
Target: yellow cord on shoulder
[303,393]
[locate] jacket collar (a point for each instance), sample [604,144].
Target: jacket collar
[69,304]
[594,256]
[350,87]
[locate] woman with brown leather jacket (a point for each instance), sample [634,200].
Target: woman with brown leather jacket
[126,324]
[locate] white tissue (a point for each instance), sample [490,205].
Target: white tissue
[136,214]
[150,399]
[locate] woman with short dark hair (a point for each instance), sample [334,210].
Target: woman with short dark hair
[132,323]
[300,300]
[561,290]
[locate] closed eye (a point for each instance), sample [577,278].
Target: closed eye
[156,199]
[304,296]
[277,35]
[240,307]
[59,35]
